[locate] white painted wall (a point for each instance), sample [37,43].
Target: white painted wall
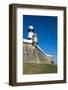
[4,47]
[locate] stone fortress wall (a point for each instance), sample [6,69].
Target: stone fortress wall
[33,54]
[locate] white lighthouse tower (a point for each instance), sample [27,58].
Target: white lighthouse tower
[32,36]
[30,32]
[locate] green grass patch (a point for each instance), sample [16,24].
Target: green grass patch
[30,68]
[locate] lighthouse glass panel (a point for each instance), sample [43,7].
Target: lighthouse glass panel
[39,44]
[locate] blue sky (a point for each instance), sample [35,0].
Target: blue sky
[46,29]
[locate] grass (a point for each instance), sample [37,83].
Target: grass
[30,68]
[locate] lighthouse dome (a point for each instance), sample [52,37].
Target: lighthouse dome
[31,27]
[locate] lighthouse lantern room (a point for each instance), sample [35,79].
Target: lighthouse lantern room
[30,32]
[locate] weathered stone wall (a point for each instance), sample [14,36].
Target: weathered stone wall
[34,55]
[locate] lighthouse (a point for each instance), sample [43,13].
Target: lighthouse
[32,35]
[30,32]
